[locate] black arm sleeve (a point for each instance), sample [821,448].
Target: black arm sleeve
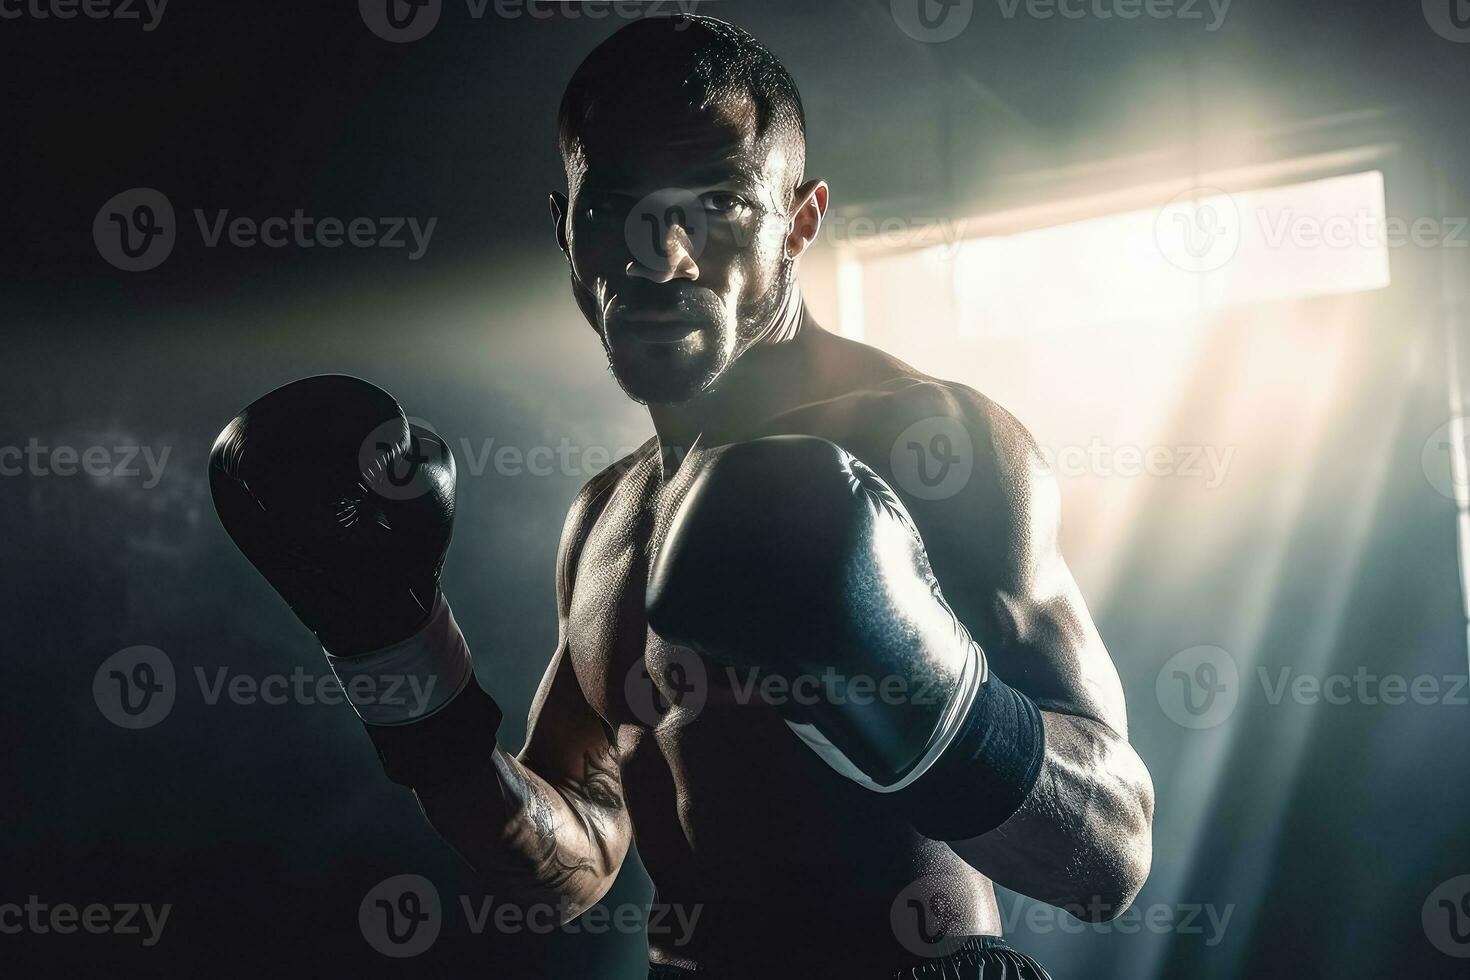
[455,740]
[986,773]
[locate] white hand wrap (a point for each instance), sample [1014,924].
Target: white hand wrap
[412,679]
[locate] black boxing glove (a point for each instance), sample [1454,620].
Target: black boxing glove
[341,504]
[790,555]
[346,508]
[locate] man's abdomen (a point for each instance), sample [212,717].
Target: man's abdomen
[760,852]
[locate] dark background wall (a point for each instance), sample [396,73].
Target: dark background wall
[264,826]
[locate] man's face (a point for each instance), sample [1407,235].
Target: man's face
[676,234]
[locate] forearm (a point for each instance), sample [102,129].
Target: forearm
[554,832]
[534,840]
[1082,840]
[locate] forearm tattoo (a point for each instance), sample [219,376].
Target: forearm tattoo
[534,855]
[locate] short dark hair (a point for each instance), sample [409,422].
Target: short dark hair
[717,63]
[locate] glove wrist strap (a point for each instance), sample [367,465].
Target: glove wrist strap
[411,680]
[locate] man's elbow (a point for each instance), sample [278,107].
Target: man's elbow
[1120,875]
[1115,892]
[1108,892]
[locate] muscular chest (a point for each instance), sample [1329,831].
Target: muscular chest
[627,673]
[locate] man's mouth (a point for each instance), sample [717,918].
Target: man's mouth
[659,328]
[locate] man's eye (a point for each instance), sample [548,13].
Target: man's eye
[723,203]
[599,209]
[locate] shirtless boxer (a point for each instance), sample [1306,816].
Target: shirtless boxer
[928,672]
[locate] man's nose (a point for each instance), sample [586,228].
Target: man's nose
[670,258]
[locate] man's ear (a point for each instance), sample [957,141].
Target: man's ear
[559,208]
[809,204]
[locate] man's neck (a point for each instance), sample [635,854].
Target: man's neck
[712,416]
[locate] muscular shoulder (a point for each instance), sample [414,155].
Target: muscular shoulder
[878,394]
[1001,445]
[1010,491]
[966,468]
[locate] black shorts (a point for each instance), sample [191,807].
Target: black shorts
[977,958]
